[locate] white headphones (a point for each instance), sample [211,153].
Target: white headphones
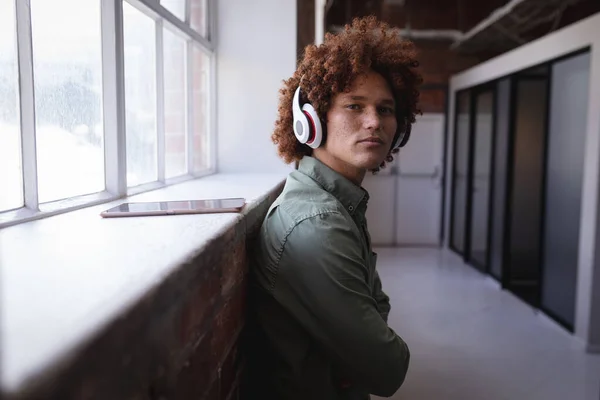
[307,125]
[402,137]
[308,129]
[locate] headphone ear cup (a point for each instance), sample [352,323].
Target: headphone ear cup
[301,124]
[401,138]
[316,134]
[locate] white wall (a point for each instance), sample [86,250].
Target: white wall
[583,34]
[256,50]
[406,198]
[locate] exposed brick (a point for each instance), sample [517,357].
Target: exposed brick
[234,271]
[234,392]
[214,391]
[437,61]
[432,101]
[171,343]
[198,373]
[305,31]
[195,312]
[435,14]
[229,371]
[227,325]
[254,219]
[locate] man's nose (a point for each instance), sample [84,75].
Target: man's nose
[372,119]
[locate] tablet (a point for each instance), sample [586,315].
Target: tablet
[206,206]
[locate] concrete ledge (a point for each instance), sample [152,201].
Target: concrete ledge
[131,308]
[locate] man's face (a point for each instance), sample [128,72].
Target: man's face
[361,125]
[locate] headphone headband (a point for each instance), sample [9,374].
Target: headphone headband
[401,138]
[308,130]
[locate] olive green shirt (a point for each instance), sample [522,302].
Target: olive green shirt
[317,297]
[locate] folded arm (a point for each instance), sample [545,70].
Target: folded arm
[322,282]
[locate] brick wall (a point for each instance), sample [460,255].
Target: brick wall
[305,31]
[461,15]
[181,341]
[438,62]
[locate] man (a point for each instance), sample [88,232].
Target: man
[317,304]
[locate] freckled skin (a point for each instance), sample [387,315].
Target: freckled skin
[366,111]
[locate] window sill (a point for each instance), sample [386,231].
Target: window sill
[24,214]
[66,278]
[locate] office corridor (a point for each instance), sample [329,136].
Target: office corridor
[469,340]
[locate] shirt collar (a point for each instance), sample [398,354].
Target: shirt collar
[352,197]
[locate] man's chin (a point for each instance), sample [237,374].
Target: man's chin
[366,161]
[373,163]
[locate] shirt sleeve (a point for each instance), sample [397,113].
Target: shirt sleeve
[382,299]
[322,282]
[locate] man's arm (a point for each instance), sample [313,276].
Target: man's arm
[322,282]
[382,299]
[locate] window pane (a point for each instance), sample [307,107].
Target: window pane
[564,182]
[199,16]
[175,105]
[501,133]
[11,178]
[200,110]
[525,193]
[481,179]
[460,170]
[140,95]
[67,66]
[177,7]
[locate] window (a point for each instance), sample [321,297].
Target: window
[11,171]
[140,96]
[177,7]
[87,116]
[200,62]
[67,72]
[175,105]
[199,15]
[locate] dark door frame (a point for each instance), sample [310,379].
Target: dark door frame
[478,91]
[474,94]
[452,169]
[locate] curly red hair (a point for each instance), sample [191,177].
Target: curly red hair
[329,69]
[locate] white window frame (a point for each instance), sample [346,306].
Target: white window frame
[113,102]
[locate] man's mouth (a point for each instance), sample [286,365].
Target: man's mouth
[373,140]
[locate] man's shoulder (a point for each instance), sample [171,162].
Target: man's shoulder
[303,199]
[306,204]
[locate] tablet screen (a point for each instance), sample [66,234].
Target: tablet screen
[181,205]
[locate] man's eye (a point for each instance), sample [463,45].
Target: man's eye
[353,107]
[386,110]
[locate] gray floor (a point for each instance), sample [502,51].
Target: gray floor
[469,340]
